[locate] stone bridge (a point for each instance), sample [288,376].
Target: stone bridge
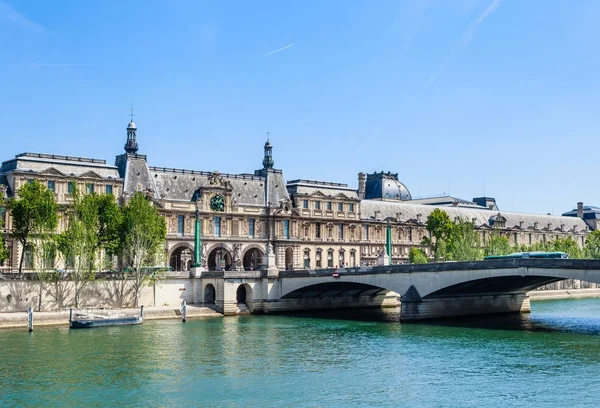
[423,291]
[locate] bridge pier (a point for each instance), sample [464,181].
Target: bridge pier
[463,305]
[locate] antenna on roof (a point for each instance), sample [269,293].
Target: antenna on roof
[131,115]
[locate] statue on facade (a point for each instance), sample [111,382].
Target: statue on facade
[237,257]
[269,249]
[203,256]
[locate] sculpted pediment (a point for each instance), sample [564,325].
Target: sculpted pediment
[51,171]
[91,174]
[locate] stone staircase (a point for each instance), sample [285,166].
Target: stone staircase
[242,309]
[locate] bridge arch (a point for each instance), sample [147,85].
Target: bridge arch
[505,280]
[335,289]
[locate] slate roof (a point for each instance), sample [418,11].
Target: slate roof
[181,185]
[445,201]
[66,165]
[482,216]
[310,187]
[589,213]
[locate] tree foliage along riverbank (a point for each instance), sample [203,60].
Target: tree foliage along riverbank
[458,241]
[96,234]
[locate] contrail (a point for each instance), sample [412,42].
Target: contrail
[276,51]
[463,42]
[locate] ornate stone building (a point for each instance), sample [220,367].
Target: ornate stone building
[307,224]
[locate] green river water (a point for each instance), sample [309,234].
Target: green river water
[550,358]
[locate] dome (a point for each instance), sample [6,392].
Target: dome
[131,125]
[386,186]
[268,144]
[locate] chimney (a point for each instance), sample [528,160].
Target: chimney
[580,209]
[362,185]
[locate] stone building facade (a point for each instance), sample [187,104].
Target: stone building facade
[307,224]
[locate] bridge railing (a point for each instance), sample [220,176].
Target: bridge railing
[585,264]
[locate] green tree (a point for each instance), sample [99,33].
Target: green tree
[440,229]
[498,245]
[79,243]
[464,242]
[3,250]
[34,211]
[567,245]
[143,234]
[592,245]
[417,256]
[110,218]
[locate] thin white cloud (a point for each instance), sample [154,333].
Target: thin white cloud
[276,51]
[7,13]
[464,41]
[59,65]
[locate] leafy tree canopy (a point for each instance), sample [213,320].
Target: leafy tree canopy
[592,245]
[34,212]
[498,245]
[417,256]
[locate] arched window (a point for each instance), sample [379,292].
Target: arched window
[306,257]
[330,258]
[342,258]
[318,258]
[353,258]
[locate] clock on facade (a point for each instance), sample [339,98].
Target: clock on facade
[217,203]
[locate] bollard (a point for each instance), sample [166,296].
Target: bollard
[183,311]
[142,311]
[30,319]
[71,317]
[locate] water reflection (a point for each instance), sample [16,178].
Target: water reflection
[349,358]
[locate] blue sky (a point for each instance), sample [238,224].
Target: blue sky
[465,96]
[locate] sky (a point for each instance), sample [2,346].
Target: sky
[462,97]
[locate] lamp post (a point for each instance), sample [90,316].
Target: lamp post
[388,241]
[197,241]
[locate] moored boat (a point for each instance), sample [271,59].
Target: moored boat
[86,321]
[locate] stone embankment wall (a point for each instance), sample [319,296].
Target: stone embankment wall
[568,284]
[19,295]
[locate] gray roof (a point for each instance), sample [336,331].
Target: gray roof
[445,201]
[181,185]
[310,187]
[482,216]
[66,165]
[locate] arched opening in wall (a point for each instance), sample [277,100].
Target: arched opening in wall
[253,259]
[210,294]
[219,259]
[307,258]
[353,258]
[289,259]
[243,294]
[181,259]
